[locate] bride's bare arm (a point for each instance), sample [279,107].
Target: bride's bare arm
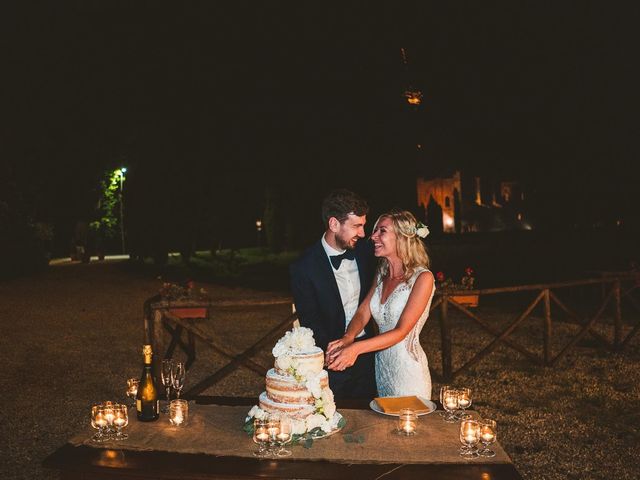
[416,304]
[356,325]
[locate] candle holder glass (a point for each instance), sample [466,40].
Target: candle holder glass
[261,437]
[464,402]
[407,422]
[273,429]
[132,390]
[178,412]
[121,420]
[469,437]
[450,404]
[443,389]
[99,422]
[488,435]
[284,437]
[109,416]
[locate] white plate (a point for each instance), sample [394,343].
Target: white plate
[428,403]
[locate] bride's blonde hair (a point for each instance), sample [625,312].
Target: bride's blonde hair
[409,245]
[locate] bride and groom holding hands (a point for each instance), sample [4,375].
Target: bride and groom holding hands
[339,293]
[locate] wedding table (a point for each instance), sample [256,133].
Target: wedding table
[214,445]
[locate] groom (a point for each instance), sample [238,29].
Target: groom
[330,280]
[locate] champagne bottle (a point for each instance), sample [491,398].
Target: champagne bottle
[147,404]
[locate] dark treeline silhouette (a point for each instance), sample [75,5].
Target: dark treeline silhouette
[227,113]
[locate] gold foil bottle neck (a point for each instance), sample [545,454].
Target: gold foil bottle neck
[147,352]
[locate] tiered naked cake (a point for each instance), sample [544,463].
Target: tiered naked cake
[298,386]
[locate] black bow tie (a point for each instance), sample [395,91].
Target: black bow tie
[336,260]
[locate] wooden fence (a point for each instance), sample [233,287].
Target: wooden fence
[169,321]
[617,289]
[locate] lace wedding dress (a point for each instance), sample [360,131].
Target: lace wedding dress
[402,369]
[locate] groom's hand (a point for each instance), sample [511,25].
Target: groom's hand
[343,359]
[332,350]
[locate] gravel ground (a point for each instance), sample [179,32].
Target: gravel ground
[72,335]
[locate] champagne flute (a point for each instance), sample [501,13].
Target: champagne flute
[165,373]
[178,376]
[132,389]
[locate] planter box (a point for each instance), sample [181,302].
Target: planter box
[466,300]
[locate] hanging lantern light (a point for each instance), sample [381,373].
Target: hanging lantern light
[413,96]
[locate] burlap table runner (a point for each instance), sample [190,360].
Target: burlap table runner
[217,430]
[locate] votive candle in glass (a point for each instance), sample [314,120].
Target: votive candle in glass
[407,422]
[178,412]
[469,437]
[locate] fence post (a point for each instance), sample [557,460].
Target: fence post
[445,335]
[617,325]
[547,328]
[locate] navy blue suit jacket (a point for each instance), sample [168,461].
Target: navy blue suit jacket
[319,307]
[316,295]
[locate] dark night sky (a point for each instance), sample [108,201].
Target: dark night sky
[212,95]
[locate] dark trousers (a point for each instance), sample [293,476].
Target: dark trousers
[357,381]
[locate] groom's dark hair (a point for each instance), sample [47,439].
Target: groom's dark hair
[340,203]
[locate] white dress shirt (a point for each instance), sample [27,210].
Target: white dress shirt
[348,280]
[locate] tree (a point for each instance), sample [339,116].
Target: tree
[107,222]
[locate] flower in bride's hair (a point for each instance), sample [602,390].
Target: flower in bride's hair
[422,230]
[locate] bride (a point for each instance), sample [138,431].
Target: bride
[399,302]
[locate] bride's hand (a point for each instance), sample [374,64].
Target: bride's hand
[334,347]
[343,359]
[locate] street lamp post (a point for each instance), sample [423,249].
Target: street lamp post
[259,230]
[121,173]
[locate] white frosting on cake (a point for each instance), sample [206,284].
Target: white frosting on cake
[285,388]
[298,385]
[307,363]
[293,410]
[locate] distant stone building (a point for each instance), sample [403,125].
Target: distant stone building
[460,203]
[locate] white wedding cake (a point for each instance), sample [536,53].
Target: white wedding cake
[298,386]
